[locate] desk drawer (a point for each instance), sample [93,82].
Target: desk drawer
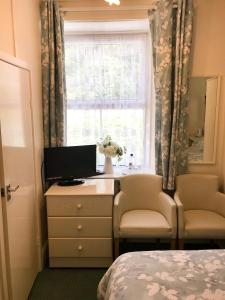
[79,206]
[80,247]
[75,227]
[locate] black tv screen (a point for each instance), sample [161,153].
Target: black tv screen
[70,162]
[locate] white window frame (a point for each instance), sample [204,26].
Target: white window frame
[148,154]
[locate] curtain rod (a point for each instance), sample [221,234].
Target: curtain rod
[118,8]
[87,9]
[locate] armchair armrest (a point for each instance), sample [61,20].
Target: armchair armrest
[219,203]
[180,216]
[118,210]
[168,209]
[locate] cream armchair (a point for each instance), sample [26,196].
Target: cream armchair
[201,208]
[142,210]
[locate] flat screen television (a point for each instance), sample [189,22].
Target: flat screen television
[66,164]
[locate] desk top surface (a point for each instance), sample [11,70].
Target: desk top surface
[123,171]
[94,186]
[89,187]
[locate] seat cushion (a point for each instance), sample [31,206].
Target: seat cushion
[203,224]
[144,223]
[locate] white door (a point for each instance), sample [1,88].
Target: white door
[17,172]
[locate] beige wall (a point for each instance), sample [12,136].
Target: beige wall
[209,59]
[7,29]
[20,37]
[100,10]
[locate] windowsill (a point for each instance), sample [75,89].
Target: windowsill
[120,171]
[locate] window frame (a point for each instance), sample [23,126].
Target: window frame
[131,104]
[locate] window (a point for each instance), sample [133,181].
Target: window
[106,79]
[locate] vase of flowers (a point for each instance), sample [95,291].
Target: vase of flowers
[108,166]
[110,149]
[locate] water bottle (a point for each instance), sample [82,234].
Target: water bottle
[131,161]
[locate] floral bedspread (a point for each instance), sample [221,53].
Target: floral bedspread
[189,275]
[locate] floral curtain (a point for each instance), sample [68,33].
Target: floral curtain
[171,28]
[53,74]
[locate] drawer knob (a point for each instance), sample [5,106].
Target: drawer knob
[80,248]
[79,227]
[79,206]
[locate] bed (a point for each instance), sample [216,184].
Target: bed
[189,275]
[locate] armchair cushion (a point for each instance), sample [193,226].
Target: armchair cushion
[144,223]
[203,224]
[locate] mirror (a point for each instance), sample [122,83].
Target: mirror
[202,127]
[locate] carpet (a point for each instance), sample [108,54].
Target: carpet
[66,284]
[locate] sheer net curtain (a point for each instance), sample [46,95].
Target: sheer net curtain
[107,78]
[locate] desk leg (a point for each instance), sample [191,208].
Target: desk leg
[180,244]
[116,247]
[173,244]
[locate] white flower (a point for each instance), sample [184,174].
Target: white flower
[110,148]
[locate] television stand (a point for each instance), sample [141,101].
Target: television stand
[70,182]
